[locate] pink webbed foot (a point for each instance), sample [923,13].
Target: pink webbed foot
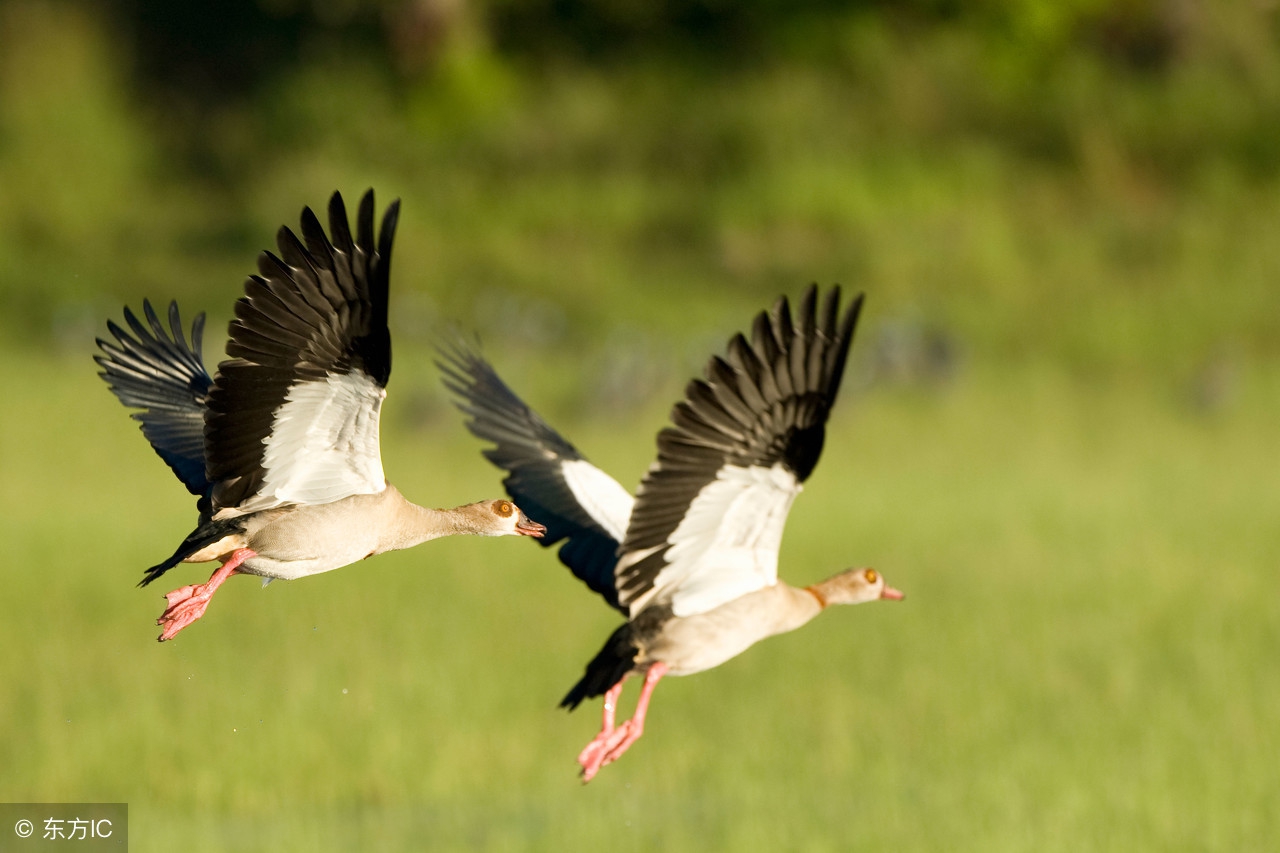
[188,603]
[607,747]
[610,744]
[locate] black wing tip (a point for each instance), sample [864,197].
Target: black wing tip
[491,406]
[366,209]
[774,333]
[152,344]
[390,219]
[367,198]
[457,346]
[809,300]
[840,338]
[463,368]
[854,308]
[844,341]
[468,375]
[153,320]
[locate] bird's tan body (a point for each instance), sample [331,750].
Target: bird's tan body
[689,644]
[299,540]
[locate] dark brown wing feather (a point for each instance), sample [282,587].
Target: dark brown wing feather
[765,403]
[317,309]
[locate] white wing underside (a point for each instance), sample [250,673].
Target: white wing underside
[601,496]
[324,444]
[727,544]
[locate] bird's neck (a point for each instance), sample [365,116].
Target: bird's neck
[800,605]
[819,595]
[412,524]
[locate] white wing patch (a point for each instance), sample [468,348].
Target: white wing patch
[601,496]
[324,444]
[727,544]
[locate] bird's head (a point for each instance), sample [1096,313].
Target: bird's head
[509,520]
[856,586]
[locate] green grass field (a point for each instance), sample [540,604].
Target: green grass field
[1079,199]
[1084,661]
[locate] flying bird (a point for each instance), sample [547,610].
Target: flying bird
[691,561]
[281,445]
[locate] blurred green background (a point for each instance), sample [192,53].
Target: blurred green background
[1058,433]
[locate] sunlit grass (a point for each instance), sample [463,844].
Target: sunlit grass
[1082,660]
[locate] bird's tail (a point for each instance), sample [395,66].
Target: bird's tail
[206,534]
[610,665]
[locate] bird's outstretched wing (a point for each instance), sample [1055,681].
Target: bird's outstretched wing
[294,410]
[579,504]
[158,372]
[709,514]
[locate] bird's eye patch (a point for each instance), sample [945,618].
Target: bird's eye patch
[503,508]
[870,575]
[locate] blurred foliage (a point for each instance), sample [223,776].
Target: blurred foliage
[1091,182]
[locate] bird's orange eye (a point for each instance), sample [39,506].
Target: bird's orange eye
[870,575]
[503,508]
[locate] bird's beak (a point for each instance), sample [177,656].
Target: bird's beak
[892,594]
[528,527]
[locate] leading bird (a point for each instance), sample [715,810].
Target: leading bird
[281,445]
[692,560]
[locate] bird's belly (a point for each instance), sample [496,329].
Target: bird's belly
[695,643]
[689,644]
[690,660]
[296,546]
[271,567]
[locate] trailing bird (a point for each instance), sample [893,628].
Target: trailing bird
[281,445]
[691,561]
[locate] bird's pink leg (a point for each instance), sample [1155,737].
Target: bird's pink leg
[611,743]
[188,603]
[594,751]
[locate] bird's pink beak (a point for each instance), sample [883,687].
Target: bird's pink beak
[528,527]
[892,594]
